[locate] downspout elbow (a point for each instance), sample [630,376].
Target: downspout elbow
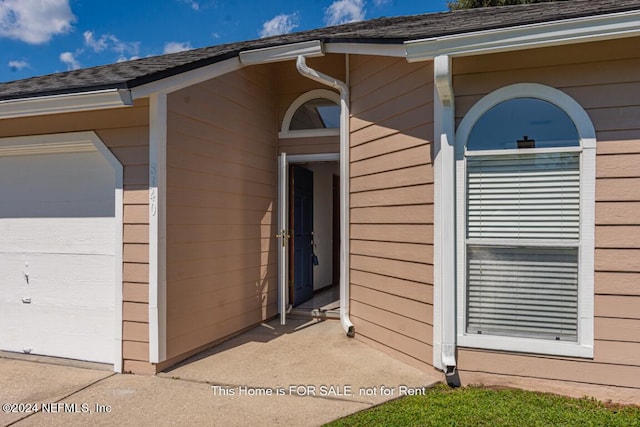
[305,70]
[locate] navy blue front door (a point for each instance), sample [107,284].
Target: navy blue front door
[302,234]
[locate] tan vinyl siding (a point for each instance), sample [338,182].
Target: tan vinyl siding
[392,206]
[125,131]
[310,145]
[603,78]
[221,196]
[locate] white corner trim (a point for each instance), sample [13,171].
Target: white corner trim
[299,101]
[68,103]
[578,30]
[187,78]
[286,52]
[394,50]
[444,327]
[118,240]
[157,228]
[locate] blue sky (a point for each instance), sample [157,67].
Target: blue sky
[46,36]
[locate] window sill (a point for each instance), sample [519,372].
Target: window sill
[526,345]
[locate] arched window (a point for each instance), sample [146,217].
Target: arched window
[314,113]
[523,123]
[526,169]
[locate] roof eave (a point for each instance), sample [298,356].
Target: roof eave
[577,30]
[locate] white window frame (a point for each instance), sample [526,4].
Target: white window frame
[586,132]
[285,132]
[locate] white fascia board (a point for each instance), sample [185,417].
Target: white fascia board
[395,50]
[282,53]
[67,103]
[569,31]
[188,78]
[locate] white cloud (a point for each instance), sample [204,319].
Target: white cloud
[17,65]
[173,47]
[131,58]
[125,50]
[96,45]
[70,60]
[194,4]
[379,3]
[35,21]
[344,11]
[280,24]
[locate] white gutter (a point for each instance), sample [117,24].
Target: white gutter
[375,49]
[67,103]
[568,31]
[281,53]
[444,346]
[306,71]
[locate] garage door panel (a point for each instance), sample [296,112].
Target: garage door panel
[57,331]
[60,235]
[70,185]
[57,209]
[59,279]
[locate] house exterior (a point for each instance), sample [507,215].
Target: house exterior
[486,171]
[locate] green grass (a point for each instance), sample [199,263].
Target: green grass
[481,406]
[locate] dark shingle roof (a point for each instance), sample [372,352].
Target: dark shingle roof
[127,75]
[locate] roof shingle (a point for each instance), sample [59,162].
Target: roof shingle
[127,75]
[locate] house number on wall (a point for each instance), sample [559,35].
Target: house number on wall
[153,192]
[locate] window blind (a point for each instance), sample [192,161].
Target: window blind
[519,291]
[533,196]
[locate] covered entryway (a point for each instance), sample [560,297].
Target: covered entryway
[309,211]
[60,247]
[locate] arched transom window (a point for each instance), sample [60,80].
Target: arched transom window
[314,113]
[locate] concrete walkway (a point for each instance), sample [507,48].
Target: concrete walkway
[304,374]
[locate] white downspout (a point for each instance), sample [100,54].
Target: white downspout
[445,218]
[305,70]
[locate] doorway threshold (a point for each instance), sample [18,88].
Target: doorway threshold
[323,305]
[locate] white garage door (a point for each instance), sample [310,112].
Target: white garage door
[57,255]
